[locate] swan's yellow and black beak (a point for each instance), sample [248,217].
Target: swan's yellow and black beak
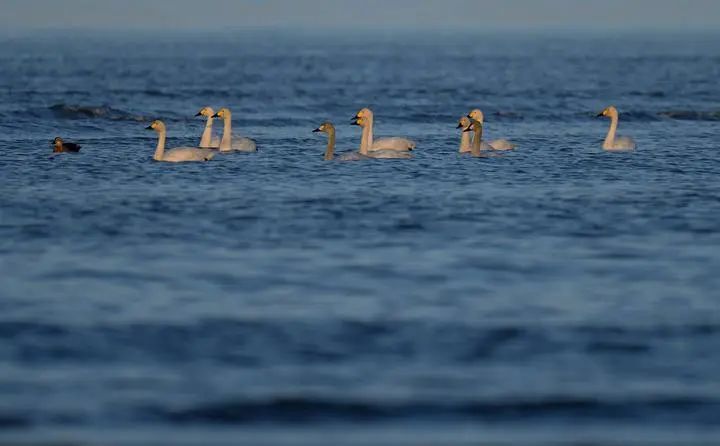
[355,121]
[459,126]
[317,130]
[484,119]
[471,127]
[600,115]
[198,114]
[150,127]
[216,115]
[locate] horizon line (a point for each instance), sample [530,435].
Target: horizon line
[363,28]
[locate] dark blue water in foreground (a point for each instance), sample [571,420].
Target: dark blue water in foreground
[554,295]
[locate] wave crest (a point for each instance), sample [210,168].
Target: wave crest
[69,111]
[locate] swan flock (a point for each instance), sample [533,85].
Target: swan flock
[471,128]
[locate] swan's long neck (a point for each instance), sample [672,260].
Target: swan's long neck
[160,150]
[206,139]
[367,137]
[465,142]
[330,152]
[226,143]
[610,138]
[477,142]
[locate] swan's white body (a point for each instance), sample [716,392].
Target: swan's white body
[240,144]
[369,144]
[374,154]
[178,154]
[496,144]
[185,154]
[396,143]
[614,143]
[390,154]
[229,142]
[501,144]
[466,144]
[351,156]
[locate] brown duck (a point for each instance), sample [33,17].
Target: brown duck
[60,146]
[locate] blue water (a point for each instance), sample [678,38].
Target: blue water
[554,295]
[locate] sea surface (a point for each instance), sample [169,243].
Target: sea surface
[554,295]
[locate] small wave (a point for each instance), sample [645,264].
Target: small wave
[10,421]
[690,115]
[653,116]
[648,94]
[638,116]
[69,111]
[304,409]
[160,93]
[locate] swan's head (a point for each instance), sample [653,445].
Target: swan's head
[222,113]
[156,125]
[362,122]
[474,124]
[208,112]
[363,115]
[477,115]
[464,123]
[608,112]
[325,127]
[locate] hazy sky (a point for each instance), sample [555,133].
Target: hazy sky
[423,14]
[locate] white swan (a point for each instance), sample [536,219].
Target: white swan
[179,154]
[230,143]
[329,128]
[466,139]
[208,140]
[369,144]
[497,144]
[477,147]
[367,139]
[615,143]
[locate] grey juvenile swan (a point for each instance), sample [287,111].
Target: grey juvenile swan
[179,154]
[329,128]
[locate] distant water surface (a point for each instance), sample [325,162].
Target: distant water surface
[553,295]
